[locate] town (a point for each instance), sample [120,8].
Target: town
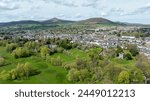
[104,37]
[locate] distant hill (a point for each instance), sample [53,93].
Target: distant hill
[61,21]
[19,23]
[51,21]
[96,21]
[55,21]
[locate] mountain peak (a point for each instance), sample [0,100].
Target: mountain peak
[55,19]
[96,21]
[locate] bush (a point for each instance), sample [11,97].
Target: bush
[3,43]
[23,71]
[21,52]
[44,51]
[69,66]
[144,65]
[11,47]
[60,50]
[112,71]
[4,75]
[136,76]
[119,50]
[56,61]
[73,75]
[128,56]
[124,77]
[133,49]
[81,63]
[2,61]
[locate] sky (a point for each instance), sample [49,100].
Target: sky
[132,11]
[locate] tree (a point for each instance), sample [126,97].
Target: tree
[11,47]
[2,61]
[81,63]
[56,61]
[44,52]
[128,56]
[84,75]
[112,71]
[21,52]
[124,77]
[119,50]
[144,65]
[73,75]
[31,45]
[133,49]
[22,71]
[136,76]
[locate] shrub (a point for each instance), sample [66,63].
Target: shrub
[44,51]
[124,77]
[128,56]
[2,61]
[56,61]
[11,47]
[68,66]
[21,52]
[23,71]
[133,49]
[73,75]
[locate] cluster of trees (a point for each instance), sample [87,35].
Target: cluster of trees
[22,72]
[133,49]
[96,69]
[3,42]
[144,65]
[11,47]
[21,52]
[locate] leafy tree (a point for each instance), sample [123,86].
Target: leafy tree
[3,42]
[69,65]
[44,52]
[11,47]
[21,52]
[119,50]
[112,71]
[32,46]
[2,61]
[144,65]
[133,49]
[124,77]
[56,61]
[97,74]
[136,76]
[22,71]
[128,56]
[84,75]
[73,75]
[81,63]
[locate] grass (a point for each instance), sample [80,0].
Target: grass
[53,74]
[49,74]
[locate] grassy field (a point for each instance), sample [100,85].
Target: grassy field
[50,74]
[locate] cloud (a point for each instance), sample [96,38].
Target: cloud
[6,5]
[78,15]
[91,3]
[68,3]
[142,10]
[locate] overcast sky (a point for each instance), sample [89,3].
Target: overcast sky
[135,11]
